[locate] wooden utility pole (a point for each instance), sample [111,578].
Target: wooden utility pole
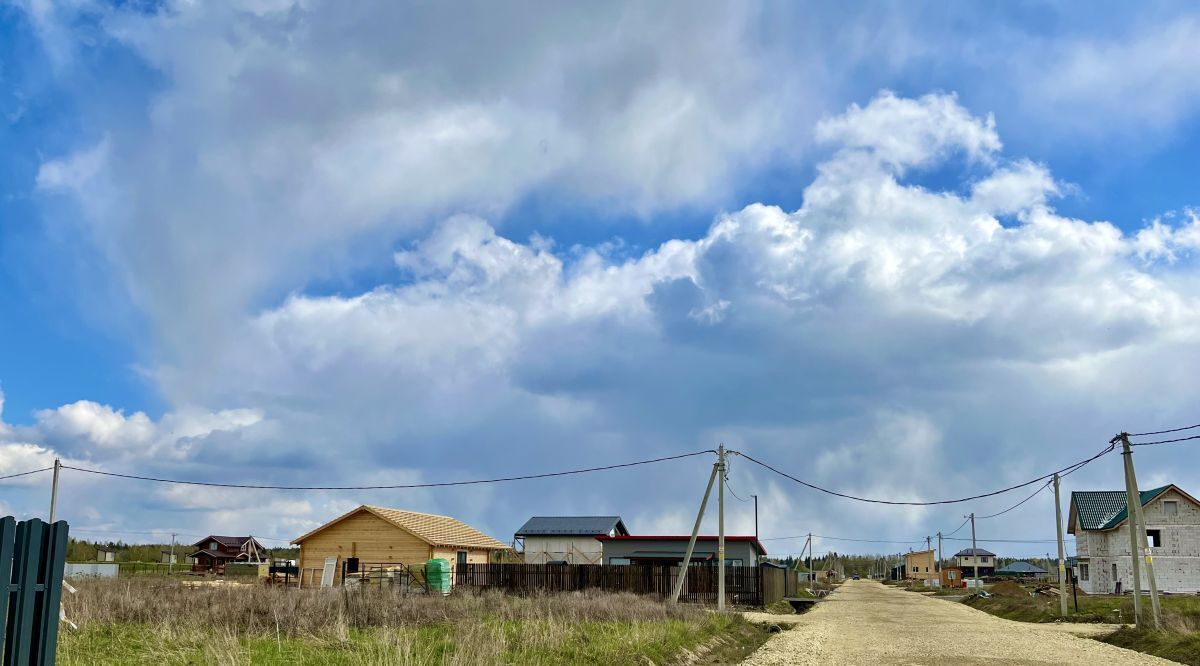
[171,557]
[811,571]
[939,562]
[721,529]
[54,491]
[687,556]
[1062,562]
[1136,510]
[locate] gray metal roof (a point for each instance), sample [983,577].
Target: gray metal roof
[571,526]
[970,552]
[1022,567]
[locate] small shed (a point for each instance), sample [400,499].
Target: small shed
[106,555]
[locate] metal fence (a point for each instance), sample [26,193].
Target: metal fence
[744,586]
[32,555]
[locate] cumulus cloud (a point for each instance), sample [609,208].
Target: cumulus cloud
[882,327]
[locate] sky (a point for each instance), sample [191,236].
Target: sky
[906,252]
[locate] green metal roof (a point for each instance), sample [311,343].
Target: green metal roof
[1105,509]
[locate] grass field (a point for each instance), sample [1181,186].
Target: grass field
[1179,640]
[161,622]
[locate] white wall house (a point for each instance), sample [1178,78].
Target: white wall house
[1100,522]
[570,539]
[975,562]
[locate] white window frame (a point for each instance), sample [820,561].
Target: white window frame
[1171,507]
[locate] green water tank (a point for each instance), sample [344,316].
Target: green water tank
[437,573]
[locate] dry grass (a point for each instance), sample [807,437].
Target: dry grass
[142,621]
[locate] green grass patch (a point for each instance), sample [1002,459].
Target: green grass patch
[1183,647]
[491,640]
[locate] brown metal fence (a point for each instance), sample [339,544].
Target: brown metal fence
[744,586]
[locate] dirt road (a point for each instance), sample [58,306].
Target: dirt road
[864,622]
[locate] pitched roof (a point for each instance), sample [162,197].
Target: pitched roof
[970,552]
[571,526]
[1107,509]
[432,529]
[227,541]
[1021,567]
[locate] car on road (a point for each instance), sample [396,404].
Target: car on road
[855,577]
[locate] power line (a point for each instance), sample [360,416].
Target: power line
[729,488]
[964,524]
[1001,513]
[32,471]
[388,487]
[1006,540]
[1071,467]
[834,538]
[1163,441]
[1162,432]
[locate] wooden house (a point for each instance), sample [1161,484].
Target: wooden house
[371,536]
[213,552]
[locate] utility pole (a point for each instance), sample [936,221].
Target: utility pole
[721,529]
[1131,500]
[928,546]
[54,491]
[1062,561]
[1136,509]
[171,557]
[687,556]
[939,562]
[812,573]
[755,523]
[974,554]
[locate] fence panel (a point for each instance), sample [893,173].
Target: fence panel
[743,585]
[32,557]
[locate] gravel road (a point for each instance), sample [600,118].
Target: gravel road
[864,622]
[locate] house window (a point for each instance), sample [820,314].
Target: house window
[1170,507]
[733,562]
[618,560]
[1083,572]
[212,545]
[1154,538]
[984,560]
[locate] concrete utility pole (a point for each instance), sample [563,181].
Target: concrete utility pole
[928,545]
[1131,499]
[171,557]
[687,556]
[811,571]
[939,562]
[54,491]
[974,555]
[1062,562]
[755,521]
[1136,509]
[721,529]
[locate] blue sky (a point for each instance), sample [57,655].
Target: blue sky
[244,233]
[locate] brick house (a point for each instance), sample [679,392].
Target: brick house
[1100,522]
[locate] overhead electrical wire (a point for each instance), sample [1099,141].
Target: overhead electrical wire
[1073,467]
[1164,441]
[388,487]
[1162,432]
[1001,513]
[32,471]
